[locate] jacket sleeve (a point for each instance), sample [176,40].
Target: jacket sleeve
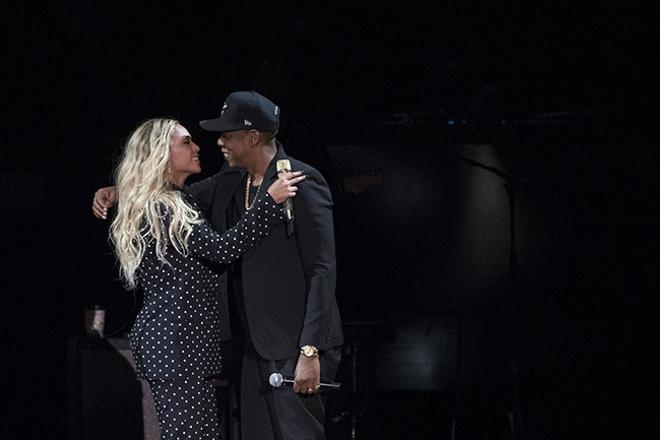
[206,243]
[316,244]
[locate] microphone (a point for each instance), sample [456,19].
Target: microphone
[276,380]
[284,166]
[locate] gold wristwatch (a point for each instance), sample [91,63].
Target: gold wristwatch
[309,351]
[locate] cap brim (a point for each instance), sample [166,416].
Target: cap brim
[217,125]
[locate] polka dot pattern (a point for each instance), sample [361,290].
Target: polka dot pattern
[186,409]
[176,333]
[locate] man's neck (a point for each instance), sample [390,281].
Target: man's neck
[262,160]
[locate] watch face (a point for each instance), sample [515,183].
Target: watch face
[308,351]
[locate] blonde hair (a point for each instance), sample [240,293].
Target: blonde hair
[145,197]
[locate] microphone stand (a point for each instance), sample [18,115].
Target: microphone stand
[510,184]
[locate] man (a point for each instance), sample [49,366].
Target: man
[283,289]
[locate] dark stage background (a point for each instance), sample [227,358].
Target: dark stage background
[381,100]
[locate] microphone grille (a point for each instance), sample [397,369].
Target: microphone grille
[276,380]
[283,165]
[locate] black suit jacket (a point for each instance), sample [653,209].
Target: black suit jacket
[288,282]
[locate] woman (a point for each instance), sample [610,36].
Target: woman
[164,245]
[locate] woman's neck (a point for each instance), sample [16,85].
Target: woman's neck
[178,180]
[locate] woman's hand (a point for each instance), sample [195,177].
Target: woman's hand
[284,187]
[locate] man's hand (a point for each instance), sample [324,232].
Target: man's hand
[104,199]
[307,375]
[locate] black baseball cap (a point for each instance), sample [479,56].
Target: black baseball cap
[245,110]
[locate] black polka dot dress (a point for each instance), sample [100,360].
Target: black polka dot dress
[175,339]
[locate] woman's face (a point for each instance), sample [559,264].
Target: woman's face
[184,156]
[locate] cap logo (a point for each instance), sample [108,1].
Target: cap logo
[246,122]
[224,106]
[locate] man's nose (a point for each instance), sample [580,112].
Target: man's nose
[220,142]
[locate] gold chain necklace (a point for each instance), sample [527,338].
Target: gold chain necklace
[247,192]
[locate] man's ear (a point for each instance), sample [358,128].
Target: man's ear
[255,137]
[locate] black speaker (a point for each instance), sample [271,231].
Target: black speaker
[105,400]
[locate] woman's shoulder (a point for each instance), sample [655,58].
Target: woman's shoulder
[167,202]
[166,207]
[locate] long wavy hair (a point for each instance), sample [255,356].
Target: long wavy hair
[145,196]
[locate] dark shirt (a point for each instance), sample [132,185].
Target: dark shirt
[236,209]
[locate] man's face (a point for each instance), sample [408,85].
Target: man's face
[236,147]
